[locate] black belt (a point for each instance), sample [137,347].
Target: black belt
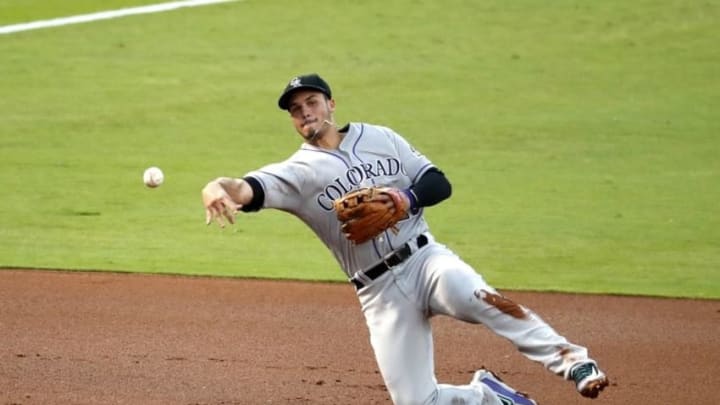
[389,262]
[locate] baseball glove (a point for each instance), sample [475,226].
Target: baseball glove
[367,212]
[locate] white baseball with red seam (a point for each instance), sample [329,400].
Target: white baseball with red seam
[153,177]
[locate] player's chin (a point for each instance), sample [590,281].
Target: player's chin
[308,130]
[303,130]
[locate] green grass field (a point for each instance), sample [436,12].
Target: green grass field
[581,137]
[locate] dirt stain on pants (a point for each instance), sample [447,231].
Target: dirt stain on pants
[503,304]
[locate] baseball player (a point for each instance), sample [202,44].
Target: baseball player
[402,275]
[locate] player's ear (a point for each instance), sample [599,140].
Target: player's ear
[331,104]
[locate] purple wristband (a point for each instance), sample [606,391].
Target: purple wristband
[413,201]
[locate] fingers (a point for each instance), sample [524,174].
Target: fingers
[222,210]
[212,213]
[229,210]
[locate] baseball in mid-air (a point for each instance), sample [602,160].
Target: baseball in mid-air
[153,177]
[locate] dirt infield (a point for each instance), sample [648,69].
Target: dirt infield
[105,338]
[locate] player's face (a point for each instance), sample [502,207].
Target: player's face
[309,110]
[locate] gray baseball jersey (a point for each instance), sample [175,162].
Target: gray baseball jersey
[307,183]
[433,280]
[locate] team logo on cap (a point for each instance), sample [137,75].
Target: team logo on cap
[295,82]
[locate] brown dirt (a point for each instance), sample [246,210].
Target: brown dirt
[105,338]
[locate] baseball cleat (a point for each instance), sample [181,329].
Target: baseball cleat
[505,393]
[589,380]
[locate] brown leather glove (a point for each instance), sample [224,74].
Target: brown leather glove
[367,212]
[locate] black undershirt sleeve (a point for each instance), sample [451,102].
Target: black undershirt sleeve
[430,189]
[258,195]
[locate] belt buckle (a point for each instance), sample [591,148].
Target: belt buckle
[386,261]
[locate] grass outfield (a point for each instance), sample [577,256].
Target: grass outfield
[581,138]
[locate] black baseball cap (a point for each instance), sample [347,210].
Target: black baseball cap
[310,81]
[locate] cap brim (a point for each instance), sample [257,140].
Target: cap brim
[284,101]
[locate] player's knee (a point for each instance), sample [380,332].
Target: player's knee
[442,395]
[459,395]
[414,398]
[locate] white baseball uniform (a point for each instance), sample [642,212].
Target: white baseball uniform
[433,280]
